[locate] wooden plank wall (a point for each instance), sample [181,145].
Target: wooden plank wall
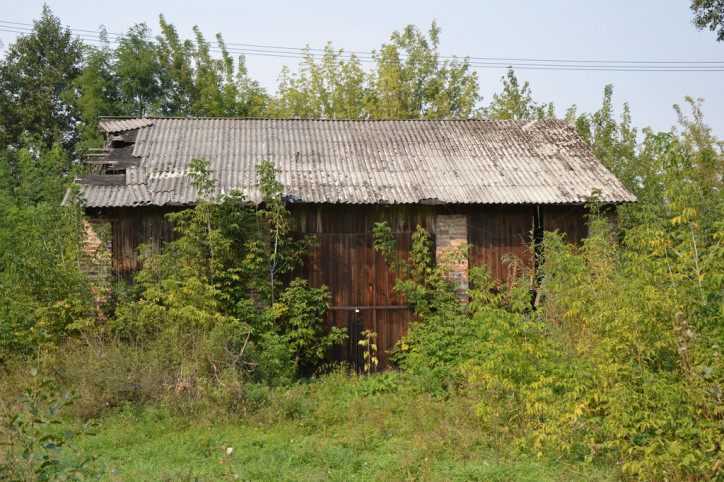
[359,280]
[499,231]
[570,220]
[133,227]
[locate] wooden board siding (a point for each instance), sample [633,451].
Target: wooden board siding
[495,232]
[360,282]
[133,227]
[570,220]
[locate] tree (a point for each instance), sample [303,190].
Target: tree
[175,57]
[614,143]
[333,88]
[44,293]
[517,102]
[98,85]
[196,84]
[222,88]
[410,81]
[37,85]
[228,266]
[139,72]
[709,14]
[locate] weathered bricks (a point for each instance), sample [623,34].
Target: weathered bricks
[451,231]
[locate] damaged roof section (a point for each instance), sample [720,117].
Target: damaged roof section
[118,125]
[351,161]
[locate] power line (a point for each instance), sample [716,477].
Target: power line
[93,37]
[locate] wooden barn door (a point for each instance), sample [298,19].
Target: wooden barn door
[362,295]
[360,282]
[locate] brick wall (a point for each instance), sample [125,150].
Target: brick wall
[451,231]
[96,261]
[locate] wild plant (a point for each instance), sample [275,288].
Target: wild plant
[31,439]
[369,351]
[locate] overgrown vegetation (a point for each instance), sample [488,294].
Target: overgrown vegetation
[31,449]
[617,373]
[622,362]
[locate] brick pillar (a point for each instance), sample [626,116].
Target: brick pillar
[96,260]
[451,232]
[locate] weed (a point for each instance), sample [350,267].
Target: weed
[31,439]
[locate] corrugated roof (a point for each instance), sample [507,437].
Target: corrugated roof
[123,124]
[363,162]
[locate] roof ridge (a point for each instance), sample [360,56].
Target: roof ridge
[305,119]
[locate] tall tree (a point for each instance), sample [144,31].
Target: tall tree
[98,85]
[222,86]
[198,84]
[516,102]
[709,14]
[175,57]
[410,81]
[333,88]
[37,85]
[139,72]
[43,290]
[613,142]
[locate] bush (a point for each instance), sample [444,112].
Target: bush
[620,364]
[31,439]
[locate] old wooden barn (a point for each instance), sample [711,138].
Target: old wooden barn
[487,183]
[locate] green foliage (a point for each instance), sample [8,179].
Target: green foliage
[203,86]
[639,402]
[621,364]
[330,89]
[224,275]
[31,439]
[139,72]
[369,351]
[423,281]
[408,81]
[37,91]
[613,143]
[98,88]
[516,102]
[164,76]
[709,14]
[273,245]
[299,316]
[45,295]
[192,82]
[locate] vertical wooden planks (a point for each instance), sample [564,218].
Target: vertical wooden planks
[495,233]
[347,263]
[570,220]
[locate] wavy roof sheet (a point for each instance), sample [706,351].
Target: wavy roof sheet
[364,162]
[122,124]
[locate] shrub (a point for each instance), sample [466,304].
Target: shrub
[30,439]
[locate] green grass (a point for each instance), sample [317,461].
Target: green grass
[336,428]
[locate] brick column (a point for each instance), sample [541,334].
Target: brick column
[451,231]
[96,259]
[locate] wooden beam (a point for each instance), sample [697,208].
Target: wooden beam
[377,307]
[102,179]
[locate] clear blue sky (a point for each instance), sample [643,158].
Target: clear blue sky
[615,30]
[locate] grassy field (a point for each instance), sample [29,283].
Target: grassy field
[335,428]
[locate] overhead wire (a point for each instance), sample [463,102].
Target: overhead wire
[93,37]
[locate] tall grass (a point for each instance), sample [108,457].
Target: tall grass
[335,427]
